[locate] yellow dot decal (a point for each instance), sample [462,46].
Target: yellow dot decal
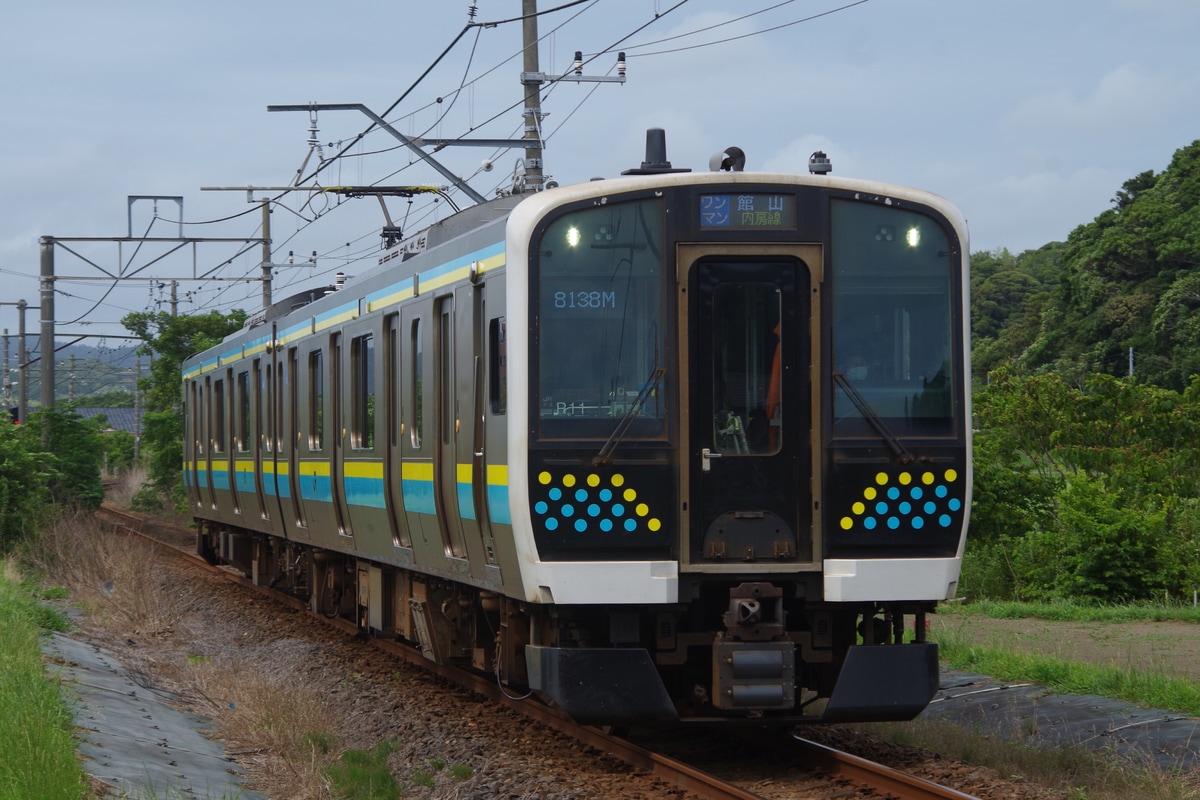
[847,523]
[951,475]
[927,478]
[630,495]
[593,479]
[654,524]
[543,478]
[568,480]
[905,478]
[870,493]
[858,508]
[642,509]
[618,480]
[881,478]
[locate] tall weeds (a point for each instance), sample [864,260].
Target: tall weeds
[116,577]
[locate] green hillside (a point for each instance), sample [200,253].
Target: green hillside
[1127,280]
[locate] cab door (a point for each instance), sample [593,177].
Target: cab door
[748,420]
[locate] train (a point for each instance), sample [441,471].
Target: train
[671,446]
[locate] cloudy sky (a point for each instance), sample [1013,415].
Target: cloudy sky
[1027,114]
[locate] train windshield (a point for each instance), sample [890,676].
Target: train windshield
[893,319]
[600,323]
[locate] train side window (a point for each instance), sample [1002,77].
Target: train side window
[415,362]
[316,401]
[391,368]
[243,418]
[218,402]
[498,365]
[201,419]
[193,417]
[362,392]
[266,394]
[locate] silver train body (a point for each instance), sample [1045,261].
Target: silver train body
[669,446]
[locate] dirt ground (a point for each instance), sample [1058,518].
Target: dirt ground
[1168,648]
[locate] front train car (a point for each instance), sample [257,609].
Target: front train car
[739,443]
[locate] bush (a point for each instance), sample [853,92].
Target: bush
[1102,548]
[988,571]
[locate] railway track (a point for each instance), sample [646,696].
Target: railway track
[810,770]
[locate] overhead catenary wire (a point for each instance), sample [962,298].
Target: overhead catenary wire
[346,256]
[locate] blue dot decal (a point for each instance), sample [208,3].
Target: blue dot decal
[893,502]
[592,503]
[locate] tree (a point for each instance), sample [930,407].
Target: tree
[1128,283]
[77,447]
[24,477]
[169,340]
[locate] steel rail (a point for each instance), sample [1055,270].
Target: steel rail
[860,771]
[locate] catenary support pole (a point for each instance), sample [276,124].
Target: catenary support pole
[46,345]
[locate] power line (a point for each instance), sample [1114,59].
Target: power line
[809,18]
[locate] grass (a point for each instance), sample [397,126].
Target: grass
[289,730]
[364,775]
[39,760]
[285,727]
[1144,687]
[1068,612]
[1076,771]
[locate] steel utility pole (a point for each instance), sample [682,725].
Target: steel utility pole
[266,254]
[22,367]
[22,361]
[534,177]
[47,335]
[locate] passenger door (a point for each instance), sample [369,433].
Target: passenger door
[749,405]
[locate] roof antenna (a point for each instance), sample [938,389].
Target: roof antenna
[656,155]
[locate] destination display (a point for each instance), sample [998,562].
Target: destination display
[748,211]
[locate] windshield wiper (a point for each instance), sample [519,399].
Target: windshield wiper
[605,455]
[871,417]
